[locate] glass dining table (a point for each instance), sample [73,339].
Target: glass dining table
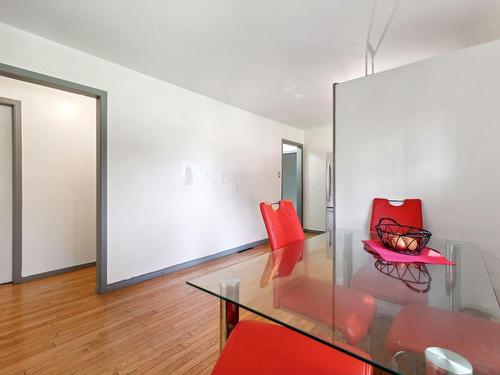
[391,315]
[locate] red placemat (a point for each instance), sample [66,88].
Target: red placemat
[428,255]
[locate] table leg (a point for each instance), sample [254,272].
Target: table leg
[441,361]
[229,311]
[229,317]
[451,278]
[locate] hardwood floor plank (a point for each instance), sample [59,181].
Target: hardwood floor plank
[58,325]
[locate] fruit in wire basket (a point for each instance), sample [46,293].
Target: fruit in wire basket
[402,238]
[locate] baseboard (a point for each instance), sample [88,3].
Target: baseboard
[56,272]
[181,266]
[314,231]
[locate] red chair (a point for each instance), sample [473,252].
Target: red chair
[282,225]
[418,327]
[349,311]
[268,349]
[368,278]
[408,213]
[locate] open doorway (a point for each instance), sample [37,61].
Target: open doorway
[10,132]
[58,148]
[291,174]
[51,110]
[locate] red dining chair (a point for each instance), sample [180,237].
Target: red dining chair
[418,327]
[408,213]
[349,311]
[372,281]
[268,349]
[282,225]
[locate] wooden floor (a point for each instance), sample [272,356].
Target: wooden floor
[58,325]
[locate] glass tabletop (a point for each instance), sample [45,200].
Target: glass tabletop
[329,288]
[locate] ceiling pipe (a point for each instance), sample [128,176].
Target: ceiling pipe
[370,50]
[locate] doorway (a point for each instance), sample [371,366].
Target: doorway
[59,172]
[291,174]
[100,162]
[6,194]
[10,194]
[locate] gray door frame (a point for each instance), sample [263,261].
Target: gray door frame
[101,97]
[17,183]
[301,146]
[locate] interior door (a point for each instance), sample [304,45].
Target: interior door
[291,174]
[6,194]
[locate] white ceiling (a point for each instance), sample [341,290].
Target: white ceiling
[276,58]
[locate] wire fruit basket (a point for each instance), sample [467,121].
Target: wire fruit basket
[402,238]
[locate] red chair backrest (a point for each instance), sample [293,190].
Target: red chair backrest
[409,213]
[282,225]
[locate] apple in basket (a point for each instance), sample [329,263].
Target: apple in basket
[400,242]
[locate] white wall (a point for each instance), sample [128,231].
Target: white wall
[59,176]
[317,143]
[429,130]
[185,172]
